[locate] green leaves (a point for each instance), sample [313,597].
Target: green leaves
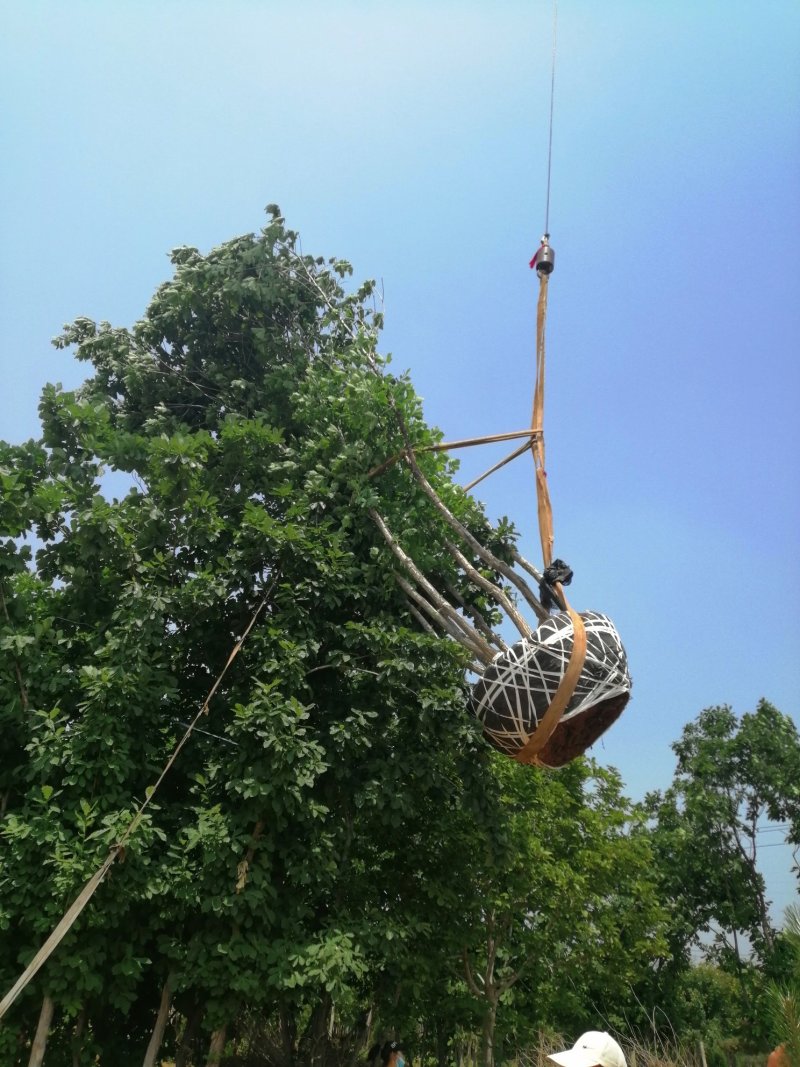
[734,775]
[246,409]
[335,835]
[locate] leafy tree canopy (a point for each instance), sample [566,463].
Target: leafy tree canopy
[336,852]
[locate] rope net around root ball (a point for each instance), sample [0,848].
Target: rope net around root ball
[516,689]
[517,683]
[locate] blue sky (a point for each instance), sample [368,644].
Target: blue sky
[411,138]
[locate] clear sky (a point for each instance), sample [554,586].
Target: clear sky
[411,139]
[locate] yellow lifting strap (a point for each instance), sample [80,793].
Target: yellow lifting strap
[529,753]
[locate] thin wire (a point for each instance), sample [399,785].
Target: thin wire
[216,737]
[550,137]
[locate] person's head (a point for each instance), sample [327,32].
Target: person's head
[391,1054]
[592,1049]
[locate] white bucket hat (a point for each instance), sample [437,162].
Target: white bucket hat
[592,1049]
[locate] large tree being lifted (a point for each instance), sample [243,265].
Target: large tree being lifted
[550,696]
[543,700]
[248,412]
[241,417]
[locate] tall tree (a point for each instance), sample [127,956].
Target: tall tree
[733,776]
[336,846]
[246,410]
[566,920]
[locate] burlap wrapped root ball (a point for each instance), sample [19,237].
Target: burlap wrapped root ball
[517,687]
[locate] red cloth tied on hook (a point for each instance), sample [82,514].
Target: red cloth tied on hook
[535,259]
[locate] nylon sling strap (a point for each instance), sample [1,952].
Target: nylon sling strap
[530,751]
[60,932]
[544,509]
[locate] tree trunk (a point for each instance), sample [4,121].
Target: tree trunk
[763,911]
[77,1037]
[487,1045]
[441,1045]
[187,1037]
[42,1030]
[288,1034]
[361,1042]
[318,1032]
[160,1026]
[217,1047]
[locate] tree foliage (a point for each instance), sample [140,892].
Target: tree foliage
[732,777]
[336,853]
[783,1000]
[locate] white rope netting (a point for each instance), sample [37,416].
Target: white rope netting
[519,684]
